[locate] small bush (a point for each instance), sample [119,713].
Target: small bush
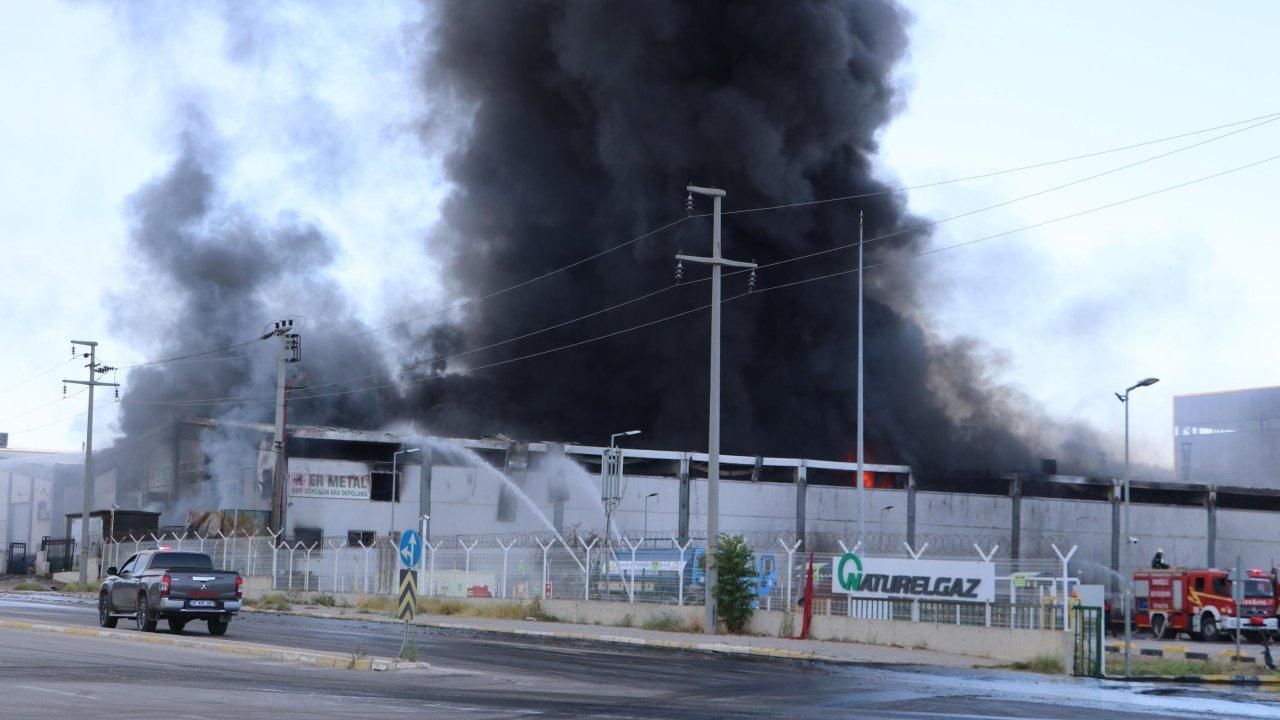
[626,621]
[736,568]
[441,606]
[1047,664]
[272,601]
[374,604]
[27,585]
[535,612]
[323,600]
[78,588]
[666,621]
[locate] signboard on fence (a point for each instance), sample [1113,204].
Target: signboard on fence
[896,578]
[334,479]
[645,567]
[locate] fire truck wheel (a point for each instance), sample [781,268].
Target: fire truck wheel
[1160,627]
[1209,628]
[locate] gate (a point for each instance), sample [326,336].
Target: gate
[59,553]
[1087,629]
[17,564]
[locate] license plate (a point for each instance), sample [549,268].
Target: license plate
[202,603]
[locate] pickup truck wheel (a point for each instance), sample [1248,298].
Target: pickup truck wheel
[218,627]
[146,623]
[104,612]
[176,625]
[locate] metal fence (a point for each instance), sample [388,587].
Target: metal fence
[633,568]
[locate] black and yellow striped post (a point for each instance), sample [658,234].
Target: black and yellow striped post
[406,605]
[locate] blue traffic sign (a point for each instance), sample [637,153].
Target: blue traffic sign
[410,548]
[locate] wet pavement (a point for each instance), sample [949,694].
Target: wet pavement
[482,675]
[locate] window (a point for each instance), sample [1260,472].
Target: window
[382,489]
[308,536]
[1220,586]
[356,537]
[128,565]
[1199,584]
[172,560]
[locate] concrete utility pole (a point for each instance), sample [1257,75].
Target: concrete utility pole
[713,421]
[290,352]
[94,370]
[862,504]
[1128,538]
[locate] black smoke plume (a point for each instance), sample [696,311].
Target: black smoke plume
[208,274]
[584,122]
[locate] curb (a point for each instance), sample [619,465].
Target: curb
[271,652]
[1269,680]
[720,648]
[1181,652]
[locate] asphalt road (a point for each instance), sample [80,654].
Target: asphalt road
[45,675]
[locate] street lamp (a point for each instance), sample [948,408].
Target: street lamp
[646,512]
[1127,560]
[395,485]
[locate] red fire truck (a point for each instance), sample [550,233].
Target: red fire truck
[1199,602]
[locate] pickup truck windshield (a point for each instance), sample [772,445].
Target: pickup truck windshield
[169,560]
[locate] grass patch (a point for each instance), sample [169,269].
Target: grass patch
[28,585]
[323,600]
[441,606]
[272,601]
[1047,664]
[78,588]
[666,621]
[626,621]
[375,604]
[1171,667]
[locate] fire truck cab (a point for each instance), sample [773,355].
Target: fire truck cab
[1200,602]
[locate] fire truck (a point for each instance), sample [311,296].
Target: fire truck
[1200,603]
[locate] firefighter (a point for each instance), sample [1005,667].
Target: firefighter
[1157,561]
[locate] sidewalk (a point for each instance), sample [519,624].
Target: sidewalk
[816,650]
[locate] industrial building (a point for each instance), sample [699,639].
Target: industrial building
[210,476]
[37,487]
[1228,438]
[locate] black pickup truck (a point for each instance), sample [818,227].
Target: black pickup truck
[175,586]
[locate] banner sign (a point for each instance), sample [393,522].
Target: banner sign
[329,479]
[645,567]
[894,578]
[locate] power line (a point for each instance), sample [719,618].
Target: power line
[96,405]
[1266,118]
[41,407]
[38,375]
[615,333]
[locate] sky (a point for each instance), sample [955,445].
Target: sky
[320,109]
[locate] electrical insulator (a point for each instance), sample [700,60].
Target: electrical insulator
[688,204]
[751,279]
[117,393]
[64,389]
[679,271]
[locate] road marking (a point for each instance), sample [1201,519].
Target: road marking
[82,696]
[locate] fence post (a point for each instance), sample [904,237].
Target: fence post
[275,552]
[631,589]
[306,569]
[364,587]
[431,571]
[505,548]
[334,546]
[198,535]
[586,570]
[180,539]
[137,544]
[680,575]
[791,553]
[542,593]
[224,549]
[466,567]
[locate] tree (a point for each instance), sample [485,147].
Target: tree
[735,586]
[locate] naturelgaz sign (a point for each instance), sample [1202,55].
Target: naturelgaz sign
[894,578]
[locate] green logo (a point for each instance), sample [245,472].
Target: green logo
[852,580]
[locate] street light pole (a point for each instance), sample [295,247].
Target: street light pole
[1126,559]
[716,261]
[646,512]
[395,485]
[611,487]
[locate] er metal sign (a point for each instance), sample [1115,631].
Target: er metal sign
[892,578]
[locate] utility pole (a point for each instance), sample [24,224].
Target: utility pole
[862,505]
[290,352]
[713,421]
[94,370]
